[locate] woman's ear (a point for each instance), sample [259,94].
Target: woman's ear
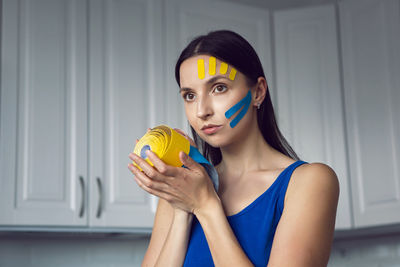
[260,91]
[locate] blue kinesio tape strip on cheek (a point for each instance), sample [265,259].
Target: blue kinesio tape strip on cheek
[241,114]
[244,102]
[238,105]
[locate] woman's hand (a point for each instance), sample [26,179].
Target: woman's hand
[189,189]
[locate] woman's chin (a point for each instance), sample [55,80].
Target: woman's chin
[216,142]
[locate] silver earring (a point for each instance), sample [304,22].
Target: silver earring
[258,106]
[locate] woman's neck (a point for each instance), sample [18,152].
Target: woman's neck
[252,153]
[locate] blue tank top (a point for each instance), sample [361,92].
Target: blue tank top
[254,226]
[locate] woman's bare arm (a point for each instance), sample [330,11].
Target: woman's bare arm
[224,247]
[162,222]
[169,236]
[305,231]
[175,246]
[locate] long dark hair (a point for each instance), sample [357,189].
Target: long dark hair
[233,49]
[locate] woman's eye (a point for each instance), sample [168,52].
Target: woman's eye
[188,97]
[220,88]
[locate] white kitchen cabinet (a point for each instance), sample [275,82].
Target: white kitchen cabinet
[310,105]
[188,19]
[43,156]
[124,80]
[78,88]
[370,34]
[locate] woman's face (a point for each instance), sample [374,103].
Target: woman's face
[208,96]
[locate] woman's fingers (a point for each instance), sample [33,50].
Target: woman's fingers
[147,169]
[154,188]
[160,165]
[189,162]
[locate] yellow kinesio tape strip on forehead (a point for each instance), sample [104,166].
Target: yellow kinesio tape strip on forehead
[224,68]
[232,74]
[211,65]
[200,68]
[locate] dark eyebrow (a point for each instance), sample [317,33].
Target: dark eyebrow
[210,81]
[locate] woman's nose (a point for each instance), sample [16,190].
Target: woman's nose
[204,109]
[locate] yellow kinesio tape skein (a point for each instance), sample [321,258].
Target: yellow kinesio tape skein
[165,142]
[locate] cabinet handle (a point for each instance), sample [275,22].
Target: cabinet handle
[99,206]
[82,183]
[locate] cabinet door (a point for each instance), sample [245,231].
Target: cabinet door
[310,106]
[371,63]
[43,156]
[188,19]
[125,81]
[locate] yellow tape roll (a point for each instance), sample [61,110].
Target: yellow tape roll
[165,142]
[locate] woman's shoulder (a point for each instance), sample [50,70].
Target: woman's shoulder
[315,170]
[312,178]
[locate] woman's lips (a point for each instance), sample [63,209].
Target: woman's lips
[211,130]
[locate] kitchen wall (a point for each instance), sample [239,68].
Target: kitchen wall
[378,251]
[31,251]
[71,251]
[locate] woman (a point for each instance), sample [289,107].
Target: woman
[271,208]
